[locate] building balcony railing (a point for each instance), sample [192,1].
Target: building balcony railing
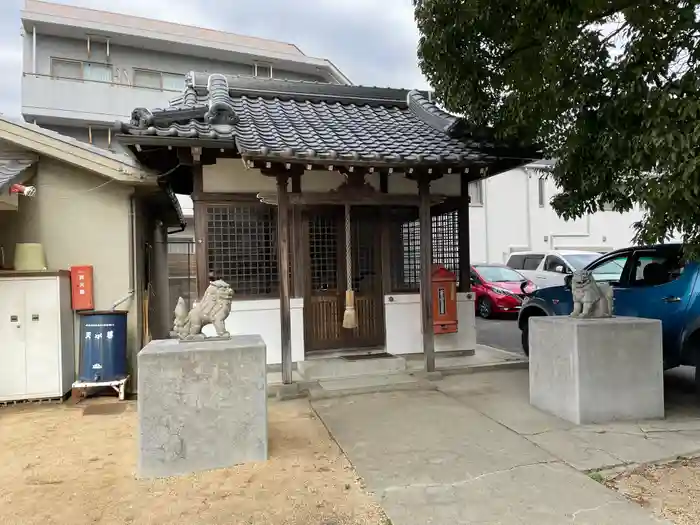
[48,99]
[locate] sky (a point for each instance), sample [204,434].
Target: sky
[371,45]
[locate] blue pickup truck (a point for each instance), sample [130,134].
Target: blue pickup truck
[648,281]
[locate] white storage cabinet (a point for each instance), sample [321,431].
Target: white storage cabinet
[36,336]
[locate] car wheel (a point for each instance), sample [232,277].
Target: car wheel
[485,308]
[525,339]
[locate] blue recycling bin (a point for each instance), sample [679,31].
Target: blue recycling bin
[103,346]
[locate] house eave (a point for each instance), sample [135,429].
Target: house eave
[51,144]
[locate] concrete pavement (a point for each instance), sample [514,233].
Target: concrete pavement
[500,332]
[475,452]
[503,397]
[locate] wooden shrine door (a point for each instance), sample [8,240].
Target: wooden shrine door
[326,279]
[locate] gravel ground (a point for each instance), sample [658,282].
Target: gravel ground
[671,491]
[67,465]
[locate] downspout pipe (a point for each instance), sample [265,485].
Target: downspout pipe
[34,50]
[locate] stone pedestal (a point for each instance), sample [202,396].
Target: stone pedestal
[201,405]
[597,370]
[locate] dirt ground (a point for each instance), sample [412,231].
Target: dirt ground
[671,491]
[59,466]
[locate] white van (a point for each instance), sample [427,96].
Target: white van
[548,268]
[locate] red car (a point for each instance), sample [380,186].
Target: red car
[498,289]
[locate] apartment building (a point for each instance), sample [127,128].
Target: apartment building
[84,69]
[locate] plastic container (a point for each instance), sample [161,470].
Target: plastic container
[102,346]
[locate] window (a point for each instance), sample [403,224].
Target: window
[66,68]
[97,72]
[580,260]
[555,264]
[181,247]
[446,241]
[242,248]
[148,79]
[610,270]
[405,247]
[541,192]
[532,262]
[76,69]
[476,192]
[516,262]
[182,271]
[262,70]
[653,269]
[158,80]
[499,274]
[173,82]
[475,278]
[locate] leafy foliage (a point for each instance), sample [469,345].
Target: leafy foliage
[609,87]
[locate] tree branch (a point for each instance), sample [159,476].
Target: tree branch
[597,18]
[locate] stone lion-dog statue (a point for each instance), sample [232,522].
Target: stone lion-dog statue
[214,308]
[591,299]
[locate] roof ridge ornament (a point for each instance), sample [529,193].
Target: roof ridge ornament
[221,110]
[427,110]
[142,118]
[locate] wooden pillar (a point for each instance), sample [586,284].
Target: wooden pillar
[426,264]
[161,327]
[385,238]
[297,242]
[465,264]
[283,267]
[200,231]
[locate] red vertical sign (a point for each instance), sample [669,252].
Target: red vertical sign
[81,288]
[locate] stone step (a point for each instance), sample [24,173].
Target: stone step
[368,384]
[338,367]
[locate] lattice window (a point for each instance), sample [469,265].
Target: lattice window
[242,248]
[405,249]
[323,246]
[446,241]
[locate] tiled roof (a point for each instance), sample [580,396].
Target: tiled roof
[307,121]
[11,170]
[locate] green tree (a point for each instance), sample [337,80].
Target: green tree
[608,87]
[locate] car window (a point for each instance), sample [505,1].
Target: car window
[610,270]
[551,263]
[581,260]
[516,261]
[532,262]
[654,268]
[475,278]
[499,274]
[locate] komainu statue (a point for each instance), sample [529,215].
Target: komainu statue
[212,309]
[591,299]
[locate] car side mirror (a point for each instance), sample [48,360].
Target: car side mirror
[567,281]
[559,268]
[524,285]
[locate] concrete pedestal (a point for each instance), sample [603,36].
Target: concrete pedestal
[597,370]
[201,405]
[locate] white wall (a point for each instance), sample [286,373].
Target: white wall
[80,220]
[514,220]
[263,317]
[403,325]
